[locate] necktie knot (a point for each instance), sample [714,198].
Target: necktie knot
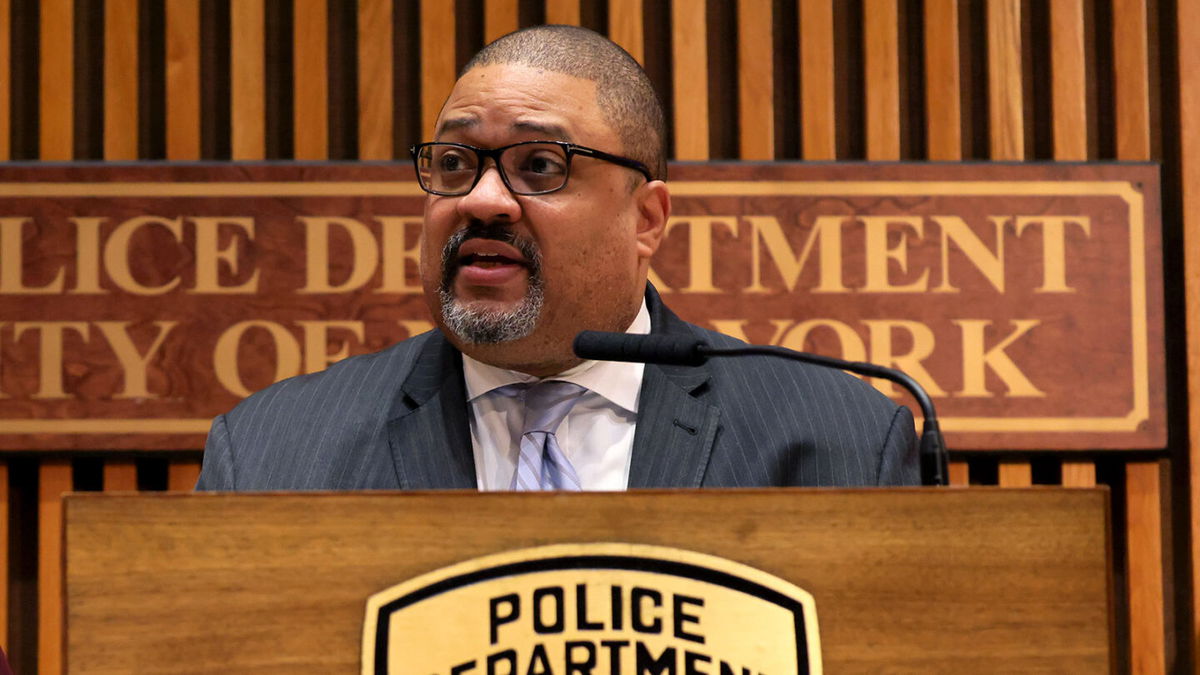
[541,464]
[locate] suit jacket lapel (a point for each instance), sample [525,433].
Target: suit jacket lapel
[429,433]
[676,427]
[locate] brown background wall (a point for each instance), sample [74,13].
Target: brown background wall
[937,80]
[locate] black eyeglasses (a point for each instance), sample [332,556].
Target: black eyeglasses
[528,168]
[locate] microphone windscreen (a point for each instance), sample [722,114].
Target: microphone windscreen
[664,349]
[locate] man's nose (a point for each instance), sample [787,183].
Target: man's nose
[490,199]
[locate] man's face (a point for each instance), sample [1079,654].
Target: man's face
[511,279]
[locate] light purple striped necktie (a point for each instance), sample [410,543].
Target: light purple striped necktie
[542,464]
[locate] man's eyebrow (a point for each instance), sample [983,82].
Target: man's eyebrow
[456,123]
[547,129]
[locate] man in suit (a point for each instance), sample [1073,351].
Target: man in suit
[546,202]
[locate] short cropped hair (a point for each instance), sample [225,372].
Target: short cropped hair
[623,90]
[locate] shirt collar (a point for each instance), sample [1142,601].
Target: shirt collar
[616,381]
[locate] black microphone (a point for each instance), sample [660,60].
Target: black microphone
[691,351]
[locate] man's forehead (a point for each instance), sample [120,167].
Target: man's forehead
[469,120]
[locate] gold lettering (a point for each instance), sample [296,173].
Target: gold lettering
[399,257]
[976,358]
[883,353]
[133,364]
[852,348]
[209,255]
[415,326]
[1054,248]
[87,256]
[878,253]
[12,265]
[316,343]
[362,242]
[826,232]
[50,351]
[116,254]
[225,356]
[990,264]
[700,248]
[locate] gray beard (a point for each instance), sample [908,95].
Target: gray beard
[481,326]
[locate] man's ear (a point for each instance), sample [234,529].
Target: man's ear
[654,208]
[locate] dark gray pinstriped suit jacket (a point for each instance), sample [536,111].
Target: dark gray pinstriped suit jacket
[398,419]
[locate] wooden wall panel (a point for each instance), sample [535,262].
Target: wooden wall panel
[5,70]
[943,85]
[120,79]
[1005,94]
[56,98]
[881,47]
[817,97]
[310,113]
[689,44]
[5,513]
[500,17]
[183,79]
[1188,63]
[756,83]
[625,27]
[375,96]
[563,11]
[437,62]
[54,479]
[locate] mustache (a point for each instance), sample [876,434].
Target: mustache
[496,232]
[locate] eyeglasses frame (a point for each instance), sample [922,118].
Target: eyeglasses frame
[569,149]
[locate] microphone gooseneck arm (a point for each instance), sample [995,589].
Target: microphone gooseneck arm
[670,349]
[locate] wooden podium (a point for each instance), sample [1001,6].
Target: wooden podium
[913,580]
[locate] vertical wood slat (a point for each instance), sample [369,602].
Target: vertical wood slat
[1068,77]
[248,133]
[375,103]
[310,114]
[437,60]
[4,534]
[54,479]
[1015,474]
[183,475]
[120,476]
[881,56]
[818,133]
[56,80]
[183,79]
[625,27]
[120,80]
[1068,80]
[1188,15]
[960,474]
[500,17]
[1004,80]
[1143,489]
[689,52]
[756,112]
[943,83]
[7,64]
[563,11]
[1143,546]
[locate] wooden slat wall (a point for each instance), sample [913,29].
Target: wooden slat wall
[867,80]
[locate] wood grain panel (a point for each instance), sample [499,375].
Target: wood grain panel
[283,577]
[437,62]
[4,544]
[247,23]
[6,65]
[310,46]
[183,79]
[943,83]
[818,135]
[1188,15]
[689,51]
[1143,526]
[182,475]
[1005,96]
[1069,80]
[1131,69]
[1079,474]
[56,98]
[563,11]
[500,17]
[881,56]
[756,86]
[120,475]
[960,474]
[625,27]
[375,96]
[120,79]
[54,479]
[1015,474]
